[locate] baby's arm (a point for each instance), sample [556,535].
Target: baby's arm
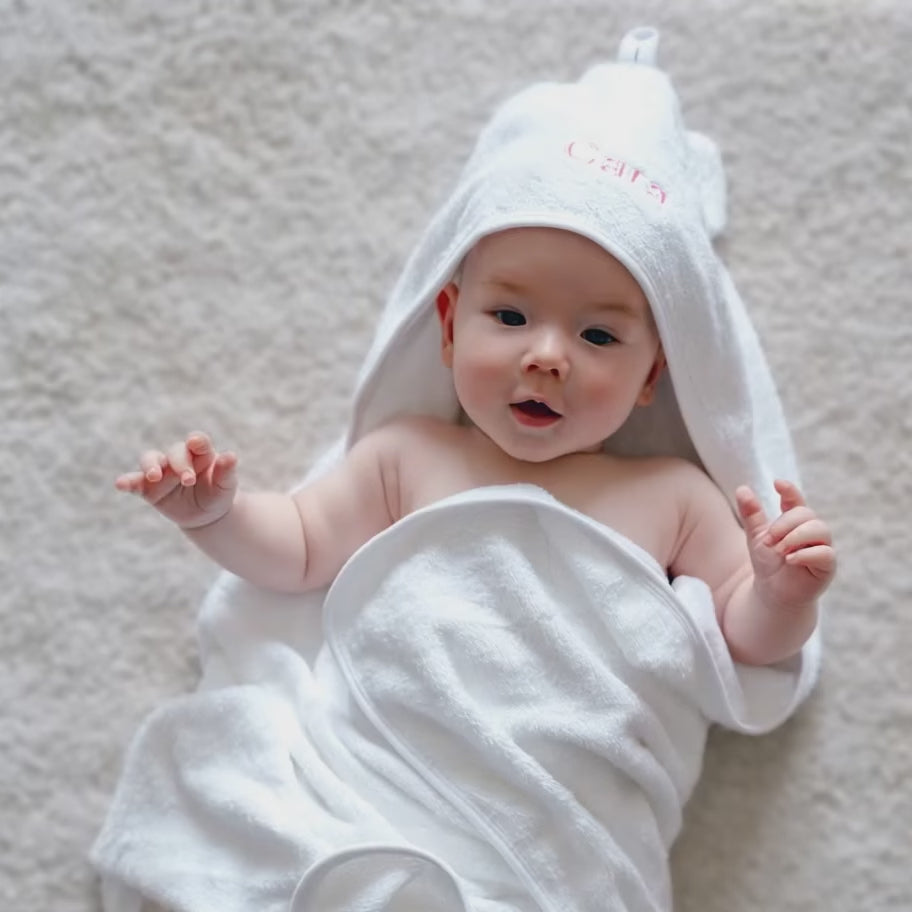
[281,541]
[766,578]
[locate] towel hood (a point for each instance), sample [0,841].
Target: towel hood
[609,157]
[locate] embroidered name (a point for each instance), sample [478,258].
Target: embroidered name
[589,154]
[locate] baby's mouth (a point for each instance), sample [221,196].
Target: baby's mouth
[533,413]
[536,409]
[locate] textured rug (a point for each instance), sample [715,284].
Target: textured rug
[203,205]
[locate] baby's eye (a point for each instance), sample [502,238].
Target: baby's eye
[598,336]
[509,317]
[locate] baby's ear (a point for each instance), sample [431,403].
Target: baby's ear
[446,310]
[647,393]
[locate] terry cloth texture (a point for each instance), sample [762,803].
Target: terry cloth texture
[204,209]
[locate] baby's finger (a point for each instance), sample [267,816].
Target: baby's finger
[180,460]
[202,453]
[153,464]
[819,559]
[130,482]
[223,471]
[789,495]
[788,522]
[751,511]
[812,532]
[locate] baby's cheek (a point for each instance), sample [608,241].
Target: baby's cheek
[597,390]
[484,361]
[608,403]
[471,376]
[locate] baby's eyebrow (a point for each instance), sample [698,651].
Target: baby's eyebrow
[617,307]
[507,285]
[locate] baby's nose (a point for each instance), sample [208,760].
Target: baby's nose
[547,353]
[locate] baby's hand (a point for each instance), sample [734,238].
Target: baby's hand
[191,484]
[793,556]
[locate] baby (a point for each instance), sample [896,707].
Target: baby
[552,345]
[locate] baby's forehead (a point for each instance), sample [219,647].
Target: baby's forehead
[543,254]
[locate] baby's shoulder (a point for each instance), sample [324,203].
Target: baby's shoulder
[673,483]
[420,430]
[673,471]
[685,489]
[415,441]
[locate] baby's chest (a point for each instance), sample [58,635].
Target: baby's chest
[638,512]
[635,511]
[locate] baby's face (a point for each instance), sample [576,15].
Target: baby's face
[550,340]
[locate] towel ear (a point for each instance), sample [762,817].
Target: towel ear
[706,169]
